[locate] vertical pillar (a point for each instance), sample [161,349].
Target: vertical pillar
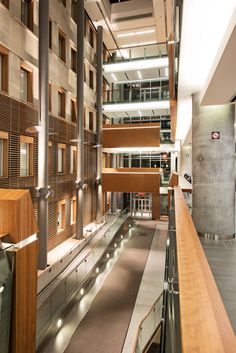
[113,194]
[213,170]
[80,120]
[43,133]
[99,118]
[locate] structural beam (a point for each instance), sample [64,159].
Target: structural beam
[99,119]
[43,133]
[80,120]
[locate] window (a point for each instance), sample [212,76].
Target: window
[27,13]
[62,103]
[73,210]
[61,215]
[3,154]
[50,157]
[91,37]
[61,158]
[5,3]
[84,73]
[26,77]
[73,10]
[62,46]
[91,79]
[91,121]
[73,59]
[3,69]
[49,96]
[73,111]
[73,157]
[26,156]
[63,2]
[50,34]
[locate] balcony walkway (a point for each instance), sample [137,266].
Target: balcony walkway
[125,295]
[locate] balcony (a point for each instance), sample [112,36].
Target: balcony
[131,135]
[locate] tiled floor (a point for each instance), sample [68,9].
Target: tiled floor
[221,256]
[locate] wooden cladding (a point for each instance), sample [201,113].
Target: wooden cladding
[130,181]
[131,135]
[205,326]
[23,329]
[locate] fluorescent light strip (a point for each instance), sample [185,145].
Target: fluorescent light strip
[137,44]
[136,65]
[114,77]
[131,127]
[139,75]
[131,173]
[130,34]
[136,106]
[140,114]
[145,80]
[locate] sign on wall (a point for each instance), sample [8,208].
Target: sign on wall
[215,135]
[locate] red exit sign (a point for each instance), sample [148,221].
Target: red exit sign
[215,135]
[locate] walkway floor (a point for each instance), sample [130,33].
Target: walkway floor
[108,315]
[104,327]
[221,256]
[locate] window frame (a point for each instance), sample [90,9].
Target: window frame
[4,136]
[61,46]
[73,210]
[5,69]
[30,142]
[73,59]
[73,159]
[73,110]
[24,67]
[28,19]
[61,218]
[61,110]
[61,146]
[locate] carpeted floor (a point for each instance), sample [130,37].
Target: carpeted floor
[104,327]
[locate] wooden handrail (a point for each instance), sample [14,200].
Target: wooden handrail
[205,326]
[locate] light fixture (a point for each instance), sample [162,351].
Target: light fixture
[140,114]
[59,323]
[115,245]
[121,237]
[97,270]
[138,44]
[135,65]
[114,77]
[131,34]
[82,291]
[120,107]
[108,256]
[33,129]
[2,288]
[139,75]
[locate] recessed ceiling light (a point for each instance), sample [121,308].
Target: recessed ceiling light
[139,75]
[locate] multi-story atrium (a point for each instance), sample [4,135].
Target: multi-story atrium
[117,176]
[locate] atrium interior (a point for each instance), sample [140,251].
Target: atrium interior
[117,176]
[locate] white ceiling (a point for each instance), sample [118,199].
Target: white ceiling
[206,29]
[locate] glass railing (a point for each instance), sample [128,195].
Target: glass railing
[149,326]
[6,276]
[137,53]
[130,95]
[70,285]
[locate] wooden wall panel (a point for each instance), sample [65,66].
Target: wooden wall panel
[15,118]
[156,206]
[130,182]
[131,135]
[23,329]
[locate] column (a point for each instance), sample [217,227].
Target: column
[113,194]
[43,133]
[99,119]
[213,170]
[80,121]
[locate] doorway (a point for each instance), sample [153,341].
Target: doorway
[141,205]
